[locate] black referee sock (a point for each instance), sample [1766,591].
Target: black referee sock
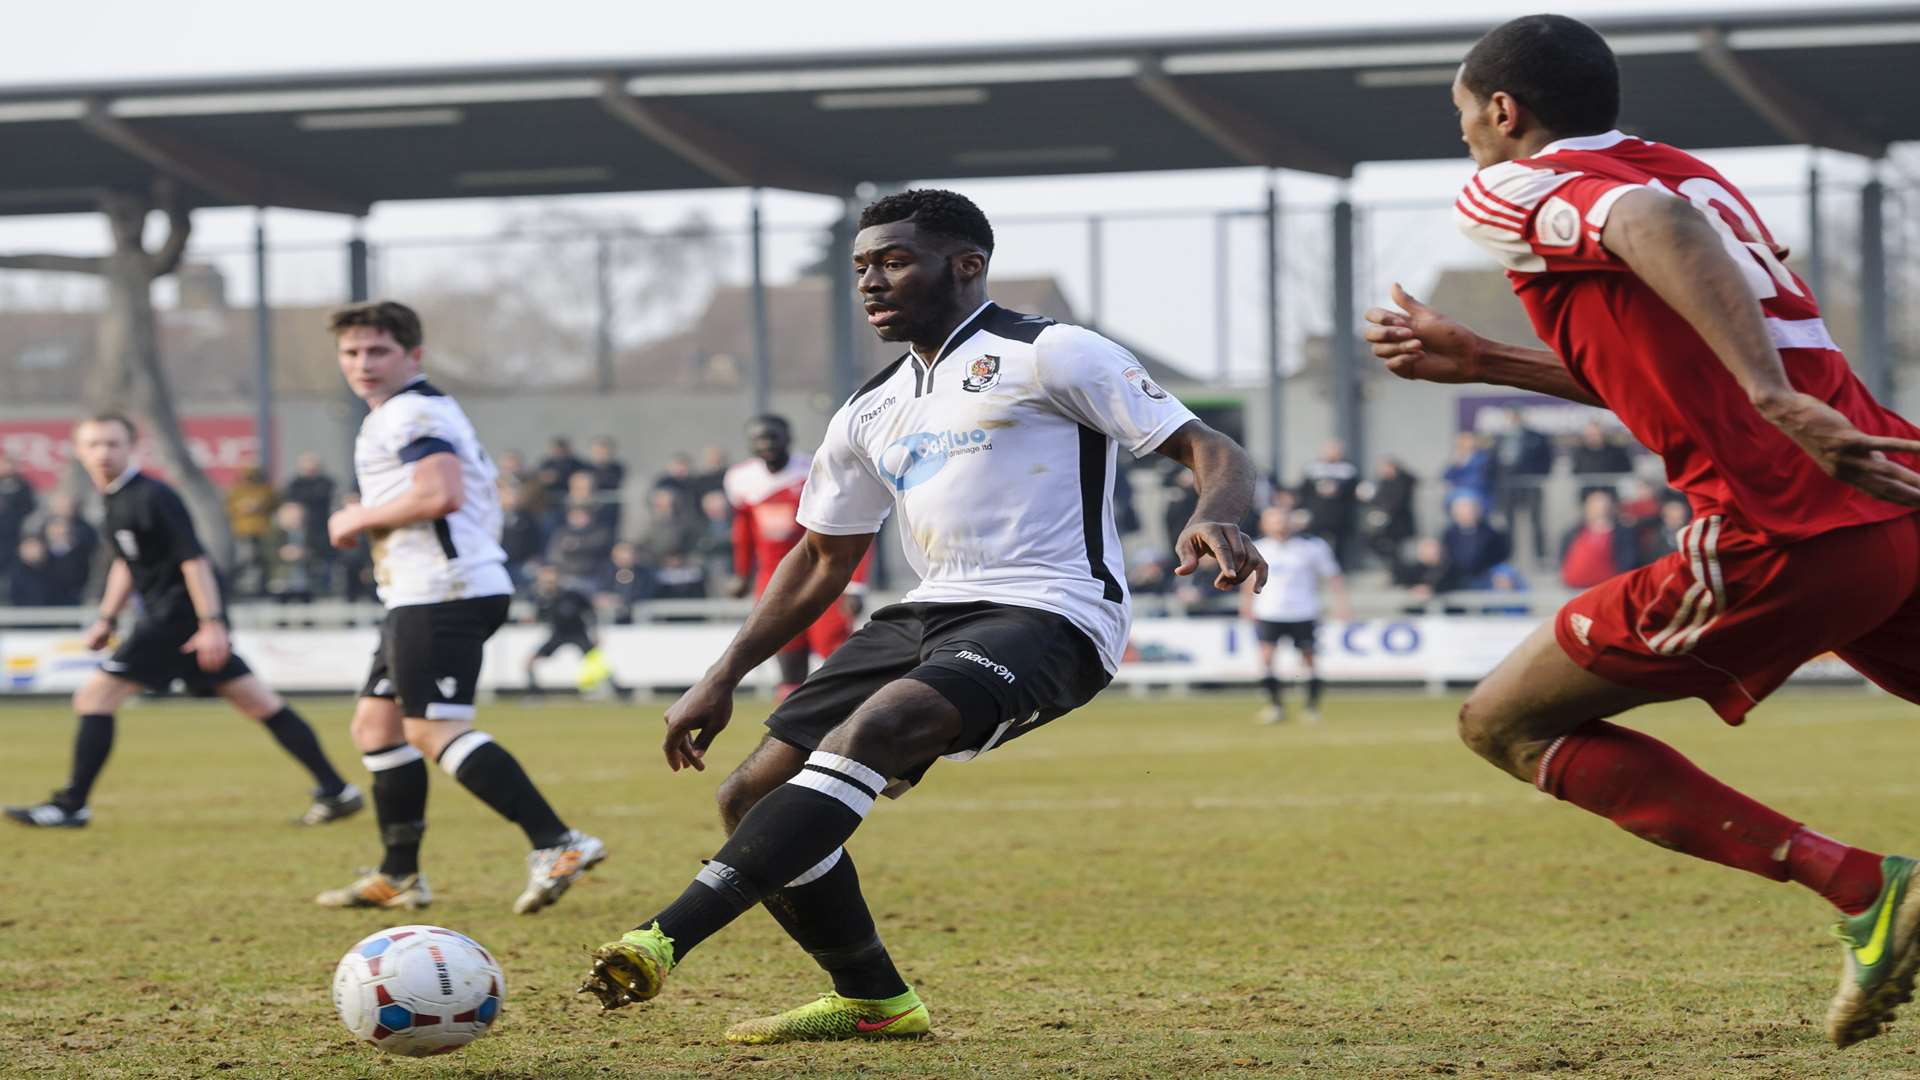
[485,768]
[1271,684]
[399,804]
[786,834]
[92,742]
[1314,686]
[825,913]
[296,737]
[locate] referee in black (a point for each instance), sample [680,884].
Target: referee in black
[569,617]
[180,633]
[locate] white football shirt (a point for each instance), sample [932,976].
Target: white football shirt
[450,558]
[1295,568]
[999,458]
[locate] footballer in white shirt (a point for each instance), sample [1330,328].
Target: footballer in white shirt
[430,507]
[994,439]
[1288,609]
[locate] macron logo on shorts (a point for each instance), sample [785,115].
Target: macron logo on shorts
[986,662]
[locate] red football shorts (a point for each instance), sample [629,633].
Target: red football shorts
[827,633]
[1728,617]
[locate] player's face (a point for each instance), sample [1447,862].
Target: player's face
[375,365]
[909,284]
[769,442]
[104,448]
[1480,127]
[1273,523]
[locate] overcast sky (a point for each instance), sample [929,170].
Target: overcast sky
[117,39]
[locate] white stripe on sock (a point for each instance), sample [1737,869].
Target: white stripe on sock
[446,710]
[390,759]
[819,869]
[852,797]
[848,768]
[456,752]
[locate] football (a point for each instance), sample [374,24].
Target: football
[418,990]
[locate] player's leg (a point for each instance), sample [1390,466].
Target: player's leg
[94,703]
[1269,652]
[595,665]
[793,662]
[1303,643]
[399,802]
[1541,718]
[437,672]
[333,797]
[547,648]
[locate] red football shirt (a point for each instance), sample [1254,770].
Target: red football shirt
[765,528]
[1542,217]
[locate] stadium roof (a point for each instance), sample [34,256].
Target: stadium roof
[1322,102]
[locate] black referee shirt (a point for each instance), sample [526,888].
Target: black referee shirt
[149,527]
[567,611]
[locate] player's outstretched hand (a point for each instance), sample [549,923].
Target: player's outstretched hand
[693,722]
[209,645]
[99,634]
[1843,451]
[1422,344]
[343,528]
[1239,560]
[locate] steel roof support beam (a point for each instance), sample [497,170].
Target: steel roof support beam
[211,171]
[1232,129]
[720,155]
[1794,116]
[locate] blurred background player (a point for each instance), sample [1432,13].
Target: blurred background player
[1288,609]
[430,503]
[764,491]
[569,617]
[180,633]
[1666,300]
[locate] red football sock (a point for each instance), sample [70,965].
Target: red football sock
[1644,786]
[1848,877]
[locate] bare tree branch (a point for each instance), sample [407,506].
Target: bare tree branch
[59,264]
[179,226]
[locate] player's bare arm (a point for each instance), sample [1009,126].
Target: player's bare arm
[209,643]
[812,576]
[437,490]
[1224,478]
[1342,600]
[1422,344]
[1671,247]
[113,600]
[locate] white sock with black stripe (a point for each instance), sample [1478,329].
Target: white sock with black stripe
[791,837]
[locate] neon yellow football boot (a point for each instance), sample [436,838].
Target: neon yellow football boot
[630,970]
[833,1017]
[1882,954]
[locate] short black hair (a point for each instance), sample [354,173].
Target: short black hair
[1560,69]
[770,420]
[111,416]
[397,319]
[941,212]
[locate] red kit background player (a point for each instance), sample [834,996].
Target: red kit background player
[1666,299]
[765,493]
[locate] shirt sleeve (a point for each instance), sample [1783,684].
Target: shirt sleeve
[175,526]
[1536,219]
[417,429]
[1100,384]
[1326,565]
[843,495]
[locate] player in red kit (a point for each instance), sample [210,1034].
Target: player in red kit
[765,493]
[1666,300]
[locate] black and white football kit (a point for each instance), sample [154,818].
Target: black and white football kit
[444,582]
[999,458]
[151,531]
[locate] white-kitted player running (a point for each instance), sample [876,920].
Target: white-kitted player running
[1288,609]
[431,508]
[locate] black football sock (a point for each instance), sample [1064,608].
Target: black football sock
[296,737]
[786,834]
[824,912]
[92,742]
[399,804]
[1314,686]
[1271,684]
[485,768]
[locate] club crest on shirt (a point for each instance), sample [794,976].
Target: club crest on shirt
[1558,223]
[1137,378]
[982,374]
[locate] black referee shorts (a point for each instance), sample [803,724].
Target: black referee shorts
[1007,669]
[429,656]
[1302,633]
[578,637]
[151,656]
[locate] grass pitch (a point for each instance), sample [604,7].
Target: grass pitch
[1150,888]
